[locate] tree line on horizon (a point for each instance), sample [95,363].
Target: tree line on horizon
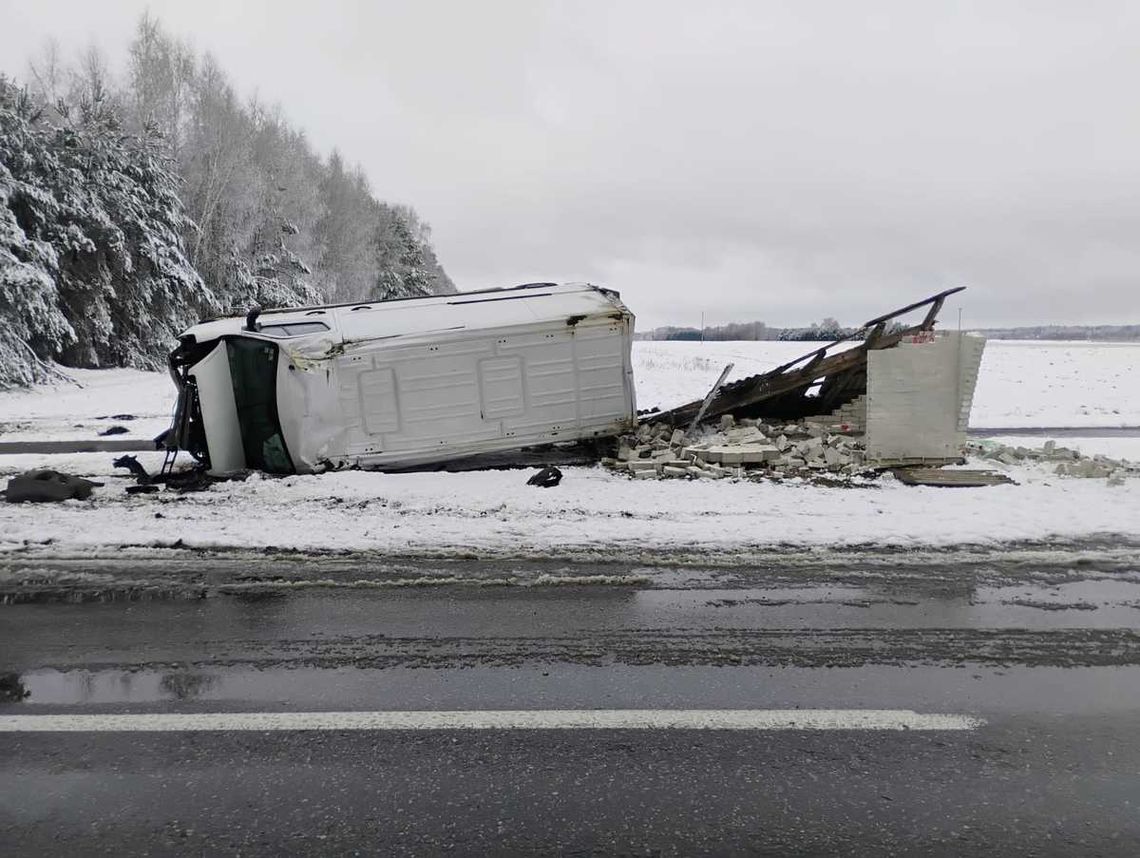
[130,208]
[830,330]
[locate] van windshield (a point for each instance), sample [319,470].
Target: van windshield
[253,368]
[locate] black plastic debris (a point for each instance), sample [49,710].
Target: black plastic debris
[132,464]
[142,489]
[546,478]
[114,430]
[47,486]
[12,688]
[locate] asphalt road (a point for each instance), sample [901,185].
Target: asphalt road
[1038,651]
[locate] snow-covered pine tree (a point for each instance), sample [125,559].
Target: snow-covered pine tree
[406,263]
[107,206]
[125,282]
[33,329]
[402,268]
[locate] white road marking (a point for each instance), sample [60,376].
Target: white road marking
[522,719]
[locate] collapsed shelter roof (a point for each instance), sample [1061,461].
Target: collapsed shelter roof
[815,383]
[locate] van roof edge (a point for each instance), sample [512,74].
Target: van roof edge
[444,298]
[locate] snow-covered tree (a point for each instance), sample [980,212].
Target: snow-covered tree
[161,74]
[107,206]
[407,255]
[33,328]
[402,266]
[129,210]
[347,264]
[288,208]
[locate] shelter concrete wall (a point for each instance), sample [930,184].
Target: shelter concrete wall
[919,396]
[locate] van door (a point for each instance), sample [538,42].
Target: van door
[253,370]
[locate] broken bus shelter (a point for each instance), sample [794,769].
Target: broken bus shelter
[813,384]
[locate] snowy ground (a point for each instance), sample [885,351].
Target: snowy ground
[594,513]
[88,405]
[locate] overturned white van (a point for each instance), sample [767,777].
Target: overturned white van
[393,384]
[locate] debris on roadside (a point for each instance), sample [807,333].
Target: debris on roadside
[193,479]
[1067,462]
[940,478]
[899,399]
[44,485]
[113,430]
[750,448]
[132,463]
[12,689]
[546,478]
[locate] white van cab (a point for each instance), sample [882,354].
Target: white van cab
[391,384]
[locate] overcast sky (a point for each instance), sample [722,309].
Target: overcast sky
[772,161]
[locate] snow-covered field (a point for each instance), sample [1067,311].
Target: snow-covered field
[1022,384]
[595,513]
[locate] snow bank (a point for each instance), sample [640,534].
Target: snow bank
[591,514]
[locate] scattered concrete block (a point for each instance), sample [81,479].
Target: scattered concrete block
[809,448]
[744,435]
[742,454]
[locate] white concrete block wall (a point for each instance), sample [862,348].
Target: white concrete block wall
[853,413]
[969,364]
[919,396]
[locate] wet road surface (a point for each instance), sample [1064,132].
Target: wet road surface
[1036,652]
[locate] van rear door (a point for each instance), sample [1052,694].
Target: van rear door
[237,393]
